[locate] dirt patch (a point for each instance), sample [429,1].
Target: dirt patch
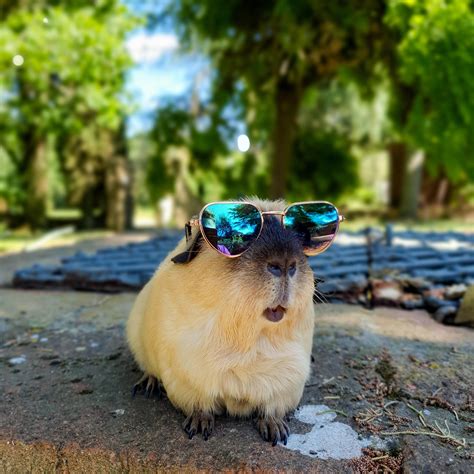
[374,461]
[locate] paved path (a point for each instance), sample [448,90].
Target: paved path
[66,374]
[11,262]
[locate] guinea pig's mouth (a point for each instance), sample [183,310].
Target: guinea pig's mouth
[275,314]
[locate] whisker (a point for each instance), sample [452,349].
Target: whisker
[317,299]
[319,293]
[320,296]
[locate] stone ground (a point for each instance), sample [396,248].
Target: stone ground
[66,374]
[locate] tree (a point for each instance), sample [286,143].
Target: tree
[332,173]
[66,81]
[186,141]
[433,98]
[269,53]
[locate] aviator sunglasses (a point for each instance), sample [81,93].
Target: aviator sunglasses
[232,227]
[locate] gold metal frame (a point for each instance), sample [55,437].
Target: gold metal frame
[197,221]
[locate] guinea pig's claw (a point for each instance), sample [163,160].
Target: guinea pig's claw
[138,386]
[147,383]
[199,421]
[273,429]
[150,386]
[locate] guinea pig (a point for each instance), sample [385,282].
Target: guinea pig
[229,335]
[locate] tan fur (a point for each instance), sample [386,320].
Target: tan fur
[200,329]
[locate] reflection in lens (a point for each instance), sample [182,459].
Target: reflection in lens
[315,224]
[231,227]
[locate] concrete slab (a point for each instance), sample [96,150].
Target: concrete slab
[66,375]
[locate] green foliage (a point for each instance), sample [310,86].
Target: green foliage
[196,146]
[171,129]
[298,41]
[73,67]
[437,62]
[141,148]
[70,85]
[185,142]
[323,167]
[340,108]
[10,184]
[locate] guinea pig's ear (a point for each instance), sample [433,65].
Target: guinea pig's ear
[191,252]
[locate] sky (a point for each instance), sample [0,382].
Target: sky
[161,70]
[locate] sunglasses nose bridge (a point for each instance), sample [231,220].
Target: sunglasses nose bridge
[277,214]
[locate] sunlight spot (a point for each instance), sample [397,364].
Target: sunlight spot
[243,143]
[18,60]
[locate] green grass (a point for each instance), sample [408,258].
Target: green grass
[15,241]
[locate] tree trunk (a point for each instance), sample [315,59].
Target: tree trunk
[87,206]
[36,174]
[398,158]
[288,97]
[117,186]
[412,185]
[34,165]
[398,151]
[119,201]
[186,203]
[129,199]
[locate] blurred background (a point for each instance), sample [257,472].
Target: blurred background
[120,114]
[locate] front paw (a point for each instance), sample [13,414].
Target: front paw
[272,429]
[199,421]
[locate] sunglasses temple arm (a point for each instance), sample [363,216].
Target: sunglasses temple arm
[188,227]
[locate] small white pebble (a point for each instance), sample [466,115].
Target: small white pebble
[44,339]
[94,344]
[34,337]
[17,360]
[426,412]
[80,349]
[118,412]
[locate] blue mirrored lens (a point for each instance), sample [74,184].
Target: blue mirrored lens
[231,227]
[314,223]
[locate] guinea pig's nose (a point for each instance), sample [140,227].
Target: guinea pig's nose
[280,268]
